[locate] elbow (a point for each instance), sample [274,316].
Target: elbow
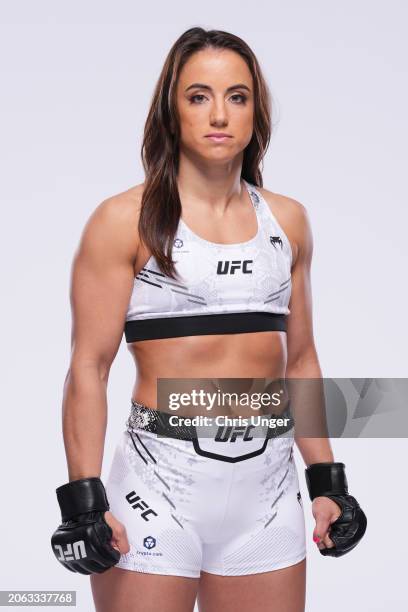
[304,364]
[80,368]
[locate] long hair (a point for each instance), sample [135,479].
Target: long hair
[161,206]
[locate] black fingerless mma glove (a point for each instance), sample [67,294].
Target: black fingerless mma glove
[82,541]
[329,480]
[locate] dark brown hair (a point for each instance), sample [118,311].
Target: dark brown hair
[161,206]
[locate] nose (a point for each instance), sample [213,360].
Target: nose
[218,114]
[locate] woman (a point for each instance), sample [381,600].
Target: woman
[198,265]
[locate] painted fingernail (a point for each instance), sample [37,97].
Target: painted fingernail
[316,538]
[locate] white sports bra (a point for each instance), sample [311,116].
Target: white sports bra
[222,288]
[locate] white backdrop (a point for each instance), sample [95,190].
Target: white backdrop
[77,78]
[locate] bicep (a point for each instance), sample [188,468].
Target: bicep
[102,277]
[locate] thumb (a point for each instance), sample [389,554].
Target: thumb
[119,538]
[120,541]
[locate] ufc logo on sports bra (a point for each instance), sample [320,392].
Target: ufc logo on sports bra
[230,267]
[136,502]
[230,433]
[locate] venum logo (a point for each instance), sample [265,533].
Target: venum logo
[137,503]
[73,551]
[178,243]
[274,240]
[230,267]
[149,542]
[230,433]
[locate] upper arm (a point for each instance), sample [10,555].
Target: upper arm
[300,341]
[102,278]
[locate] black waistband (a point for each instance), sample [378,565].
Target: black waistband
[202,325]
[158,422]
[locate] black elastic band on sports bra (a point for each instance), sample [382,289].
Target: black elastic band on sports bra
[202,325]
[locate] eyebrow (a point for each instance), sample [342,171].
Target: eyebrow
[204,86]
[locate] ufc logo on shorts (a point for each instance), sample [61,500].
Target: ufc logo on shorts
[230,267]
[138,503]
[72,551]
[230,433]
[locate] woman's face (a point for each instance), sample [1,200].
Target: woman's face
[215,94]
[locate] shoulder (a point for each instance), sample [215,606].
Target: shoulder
[123,206]
[287,207]
[113,224]
[294,219]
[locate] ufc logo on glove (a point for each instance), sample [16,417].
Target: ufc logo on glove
[76,550]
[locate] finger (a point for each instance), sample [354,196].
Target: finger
[120,540]
[328,542]
[336,515]
[321,529]
[124,545]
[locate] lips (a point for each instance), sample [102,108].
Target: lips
[218,136]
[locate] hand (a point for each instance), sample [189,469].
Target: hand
[89,539]
[119,536]
[325,511]
[339,528]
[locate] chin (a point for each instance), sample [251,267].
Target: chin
[221,153]
[221,158]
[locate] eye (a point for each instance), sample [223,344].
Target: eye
[196,96]
[241,96]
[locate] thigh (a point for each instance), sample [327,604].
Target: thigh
[128,591]
[281,590]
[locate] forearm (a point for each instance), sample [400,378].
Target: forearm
[314,450]
[84,420]
[310,397]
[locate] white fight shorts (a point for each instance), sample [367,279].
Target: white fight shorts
[228,504]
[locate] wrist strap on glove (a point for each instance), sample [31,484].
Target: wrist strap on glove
[326,479]
[81,496]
